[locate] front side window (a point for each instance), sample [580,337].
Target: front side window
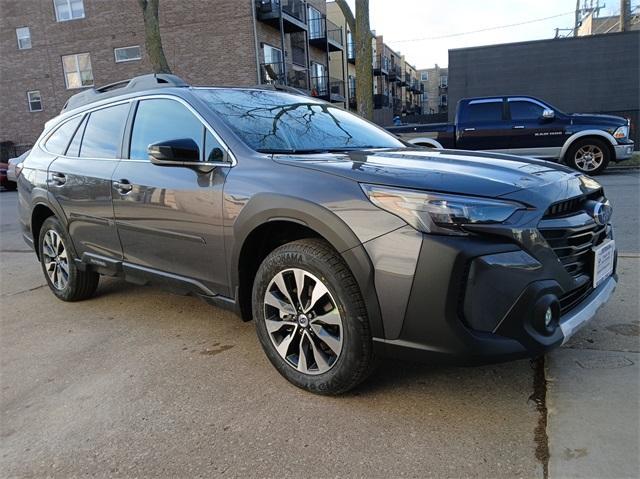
[103,133]
[24,38]
[160,120]
[35,100]
[525,110]
[68,9]
[278,122]
[58,141]
[127,54]
[77,70]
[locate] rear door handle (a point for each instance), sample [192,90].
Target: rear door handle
[469,129]
[123,186]
[518,127]
[56,179]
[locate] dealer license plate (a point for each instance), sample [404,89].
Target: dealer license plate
[603,261]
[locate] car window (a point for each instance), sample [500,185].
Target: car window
[482,112]
[74,146]
[525,110]
[160,120]
[213,150]
[103,133]
[58,141]
[278,122]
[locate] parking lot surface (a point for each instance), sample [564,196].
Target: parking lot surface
[139,382]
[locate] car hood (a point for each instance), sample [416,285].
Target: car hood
[603,120]
[449,171]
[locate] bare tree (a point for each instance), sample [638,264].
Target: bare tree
[153,41]
[361,29]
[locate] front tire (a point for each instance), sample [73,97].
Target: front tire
[311,319]
[65,280]
[589,156]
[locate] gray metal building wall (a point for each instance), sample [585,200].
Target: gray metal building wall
[593,74]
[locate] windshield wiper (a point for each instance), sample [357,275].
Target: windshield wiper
[316,150]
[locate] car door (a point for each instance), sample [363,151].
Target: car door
[531,134]
[80,181]
[482,125]
[169,218]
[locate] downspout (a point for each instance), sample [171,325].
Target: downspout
[255,40]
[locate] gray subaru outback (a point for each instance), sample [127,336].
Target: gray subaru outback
[341,242]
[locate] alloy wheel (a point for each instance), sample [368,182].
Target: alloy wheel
[56,261]
[303,321]
[589,157]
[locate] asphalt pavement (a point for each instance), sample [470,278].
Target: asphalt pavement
[141,383]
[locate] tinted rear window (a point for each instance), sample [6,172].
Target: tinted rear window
[482,112]
[58,141]
[103,133]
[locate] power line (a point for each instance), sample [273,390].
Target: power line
[483,29]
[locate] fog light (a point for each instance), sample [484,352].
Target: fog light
[548,317]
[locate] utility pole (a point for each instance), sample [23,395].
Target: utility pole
[577,23]
[625,6]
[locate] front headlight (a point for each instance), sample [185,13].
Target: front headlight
[439,213]
[621,132]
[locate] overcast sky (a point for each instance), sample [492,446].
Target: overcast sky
[421,20]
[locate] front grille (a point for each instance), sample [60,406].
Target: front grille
[573,246]
[571,206]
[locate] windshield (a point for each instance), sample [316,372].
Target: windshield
[278,122]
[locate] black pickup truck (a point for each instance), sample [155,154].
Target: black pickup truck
[527,126]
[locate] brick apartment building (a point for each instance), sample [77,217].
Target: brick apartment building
[51,49]
[436,90]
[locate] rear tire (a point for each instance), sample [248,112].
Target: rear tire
[589,156]
[65,280]
[318,339]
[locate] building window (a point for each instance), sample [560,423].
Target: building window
[68,10]
[424,76]
[35,100]
[24,38]
[77,70]
[444,81]
[443,100]
[127,54]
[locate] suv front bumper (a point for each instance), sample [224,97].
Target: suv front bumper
[475,301]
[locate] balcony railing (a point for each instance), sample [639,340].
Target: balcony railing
[294,13]
[322,30]
[327,88]
[273,74]
[380,65]
[351,52]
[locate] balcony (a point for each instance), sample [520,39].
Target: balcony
[325,34]
[351,52]
[380,101]
[273,74]
[328,89]
[380,65]
[394,73]
[292,13]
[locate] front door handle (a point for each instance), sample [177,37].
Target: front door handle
[123,186]
[469,129]
[518,127]
[56,179]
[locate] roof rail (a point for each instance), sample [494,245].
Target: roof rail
[139,83]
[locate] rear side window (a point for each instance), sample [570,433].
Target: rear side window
[162,120]
[525,110]
[103,133]
[482,112]
[58,141]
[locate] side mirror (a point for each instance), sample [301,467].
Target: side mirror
[548,114]
[174,152]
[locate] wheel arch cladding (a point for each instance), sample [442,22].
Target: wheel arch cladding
[268,221]
[39,214]
[599,135]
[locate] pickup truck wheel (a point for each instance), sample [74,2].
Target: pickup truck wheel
[65,280]
[311,319]
[590,156]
